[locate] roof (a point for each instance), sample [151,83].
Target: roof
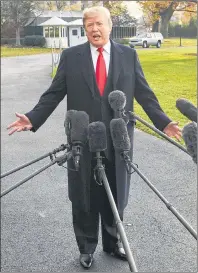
[78,22]
[38,18]
[54,21]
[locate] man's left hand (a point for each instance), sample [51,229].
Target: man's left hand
[172,130]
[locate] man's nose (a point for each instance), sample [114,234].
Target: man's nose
[95,27]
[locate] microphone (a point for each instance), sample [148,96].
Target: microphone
[121,143]
[76,126]
[121,140]
[97,144]
[97,137]
[187,109]
[117,101]
[119,134]
[67,124]
[189,134]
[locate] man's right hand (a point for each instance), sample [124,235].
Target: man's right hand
[22,124]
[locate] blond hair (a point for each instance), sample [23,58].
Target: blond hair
[89,12]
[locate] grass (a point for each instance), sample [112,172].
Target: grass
[22,51]
[171,73]
[175,42]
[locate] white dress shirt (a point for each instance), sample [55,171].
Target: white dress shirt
[106,55]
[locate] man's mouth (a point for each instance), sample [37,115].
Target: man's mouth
[96,37]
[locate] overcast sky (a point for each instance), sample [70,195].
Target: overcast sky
[134,8]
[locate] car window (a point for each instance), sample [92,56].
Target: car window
[148,35]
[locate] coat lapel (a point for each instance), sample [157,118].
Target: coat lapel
[117,62]
[87,66]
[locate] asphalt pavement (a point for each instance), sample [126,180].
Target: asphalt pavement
[36,224]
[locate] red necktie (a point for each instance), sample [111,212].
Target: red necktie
[101,74]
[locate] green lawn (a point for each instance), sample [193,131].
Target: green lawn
[171,73]
[175,42]
[12,51]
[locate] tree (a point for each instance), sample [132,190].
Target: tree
[61,5]
[17,13]
[162,11]
[123,19]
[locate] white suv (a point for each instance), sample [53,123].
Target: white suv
[145,40]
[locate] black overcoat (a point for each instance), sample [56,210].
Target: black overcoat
[75,78]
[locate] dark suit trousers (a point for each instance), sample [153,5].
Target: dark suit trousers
[86,224]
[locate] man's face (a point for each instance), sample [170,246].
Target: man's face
[97,29]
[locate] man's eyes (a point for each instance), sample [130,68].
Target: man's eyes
[98,24]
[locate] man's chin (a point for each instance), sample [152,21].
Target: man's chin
[97,43]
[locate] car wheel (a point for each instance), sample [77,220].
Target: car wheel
[158,45]
[144,44]
[131,46]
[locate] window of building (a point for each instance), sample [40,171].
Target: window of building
[46,32]
[74,32]
[82,32]
[51,31]
[56,32]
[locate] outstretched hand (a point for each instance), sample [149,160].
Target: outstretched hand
[173,130]
[22,124]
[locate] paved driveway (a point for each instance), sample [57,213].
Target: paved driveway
[36,227]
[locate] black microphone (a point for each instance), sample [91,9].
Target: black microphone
[117,101]
[189,134]
[67,124]
[121,140]
[97,137]
[97,144]
[187,109]
[78,130]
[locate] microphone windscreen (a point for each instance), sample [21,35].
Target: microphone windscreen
[119,135]
[67,123]
[97,136]
[189,134]
[117,100]
[79,127]
[187,109]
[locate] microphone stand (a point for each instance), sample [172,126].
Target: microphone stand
[133,117]
[50,154]
[102,177]
[164,200]
[59,160]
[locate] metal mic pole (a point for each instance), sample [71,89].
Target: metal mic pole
[164,200]
[61,148]
[27,178]
[132,116]
[118,221]
[59,160]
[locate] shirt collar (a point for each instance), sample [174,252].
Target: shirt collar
[106,47]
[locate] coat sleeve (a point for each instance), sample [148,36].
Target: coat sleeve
[147,99]
[51,98]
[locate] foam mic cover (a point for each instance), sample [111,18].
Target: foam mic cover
[119,135]
[187,109]
[117,100]
[67,123]
[189,134]
[79,127]
[97,136]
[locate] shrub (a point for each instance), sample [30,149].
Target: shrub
[122,41]
[10,41]
[34,40]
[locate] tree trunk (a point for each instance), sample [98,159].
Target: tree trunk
[155,26]
[18,42]
[165,18]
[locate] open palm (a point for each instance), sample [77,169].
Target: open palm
[22,124]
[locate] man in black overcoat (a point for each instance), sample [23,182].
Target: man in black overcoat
[77,77]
